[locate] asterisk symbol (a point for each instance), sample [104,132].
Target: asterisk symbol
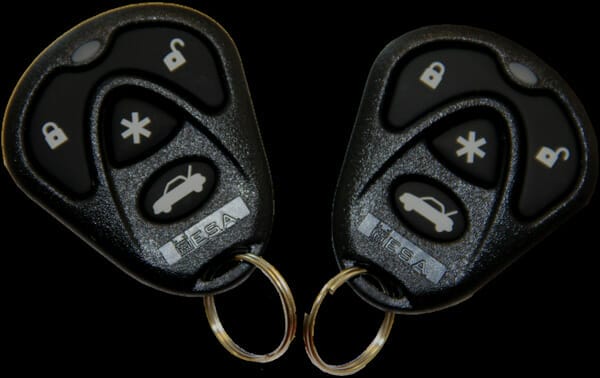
[136,128]
[471,147]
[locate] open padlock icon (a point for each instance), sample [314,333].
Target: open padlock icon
[432,76]
[54,135]
[175,59]
[548,157]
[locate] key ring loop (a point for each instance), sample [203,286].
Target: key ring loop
[368,354]
[289,314]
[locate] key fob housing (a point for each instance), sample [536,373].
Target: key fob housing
[136,130]
[467,150]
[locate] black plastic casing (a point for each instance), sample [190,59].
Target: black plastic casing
[378,154]
[108,218]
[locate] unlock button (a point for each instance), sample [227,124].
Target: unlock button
[182,59]
[549,157]
[175,58]
[550,173]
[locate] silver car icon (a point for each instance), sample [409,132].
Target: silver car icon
[177,189]
[430,209]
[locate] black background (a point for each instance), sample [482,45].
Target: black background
[67,310]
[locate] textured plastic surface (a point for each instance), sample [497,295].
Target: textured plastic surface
[180,257]
[423,274]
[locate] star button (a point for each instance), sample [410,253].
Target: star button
[136,128]
[471,147]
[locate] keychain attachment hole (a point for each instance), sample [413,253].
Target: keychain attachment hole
[222,264]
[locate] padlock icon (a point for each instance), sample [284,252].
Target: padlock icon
[548,157]
[54,135]
[433,75]
[175,58]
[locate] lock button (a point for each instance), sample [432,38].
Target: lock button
[433,75]
[54,135]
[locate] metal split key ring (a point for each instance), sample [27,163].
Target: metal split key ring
[289,314]
[368,354]
[290,322]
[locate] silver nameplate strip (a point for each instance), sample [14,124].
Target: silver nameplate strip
[385,237]
[201,232]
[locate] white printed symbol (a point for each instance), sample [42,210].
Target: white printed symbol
[548,157]
[471,147]
[136,128]
[54,135]
[433,75]
[175,59]
[431,209]
[177,189]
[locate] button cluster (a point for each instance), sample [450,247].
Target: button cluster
[441,75]
[134,124]
[476,149]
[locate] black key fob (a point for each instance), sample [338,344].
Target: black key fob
[467,150]
[136,130]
